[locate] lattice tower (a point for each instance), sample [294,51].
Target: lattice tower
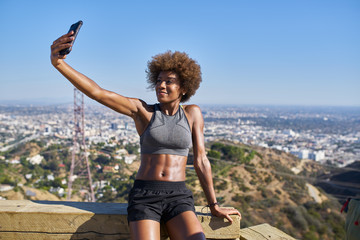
[80,175]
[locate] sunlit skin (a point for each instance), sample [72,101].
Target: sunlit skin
[162,167]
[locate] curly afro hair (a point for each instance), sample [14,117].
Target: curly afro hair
[180,63]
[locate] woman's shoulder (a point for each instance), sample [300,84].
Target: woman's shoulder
[191,107]
[192,110]
[145,106]
[145,110]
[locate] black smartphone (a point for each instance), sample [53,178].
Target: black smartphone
[75,27]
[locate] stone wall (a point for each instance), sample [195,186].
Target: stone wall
[47,220]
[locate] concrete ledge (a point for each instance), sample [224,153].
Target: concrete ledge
[24,219]
[263,232]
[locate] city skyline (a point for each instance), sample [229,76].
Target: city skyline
[327,134]
[259,52]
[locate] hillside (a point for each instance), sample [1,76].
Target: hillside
[268,190]
[267,186]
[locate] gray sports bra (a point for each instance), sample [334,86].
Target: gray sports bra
[167,134]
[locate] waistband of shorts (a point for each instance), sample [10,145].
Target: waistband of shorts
[159,185]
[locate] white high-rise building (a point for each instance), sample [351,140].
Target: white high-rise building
[304,153]
[317,156]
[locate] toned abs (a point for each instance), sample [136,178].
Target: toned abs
[162,167]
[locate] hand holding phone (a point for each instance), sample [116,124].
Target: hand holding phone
[75,27]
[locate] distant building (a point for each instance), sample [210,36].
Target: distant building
[50,177]
[59,191]
[28,176]
[101,184]
[317,156]
[304,154]
[5,187]
[35,159]
[289,132]
[30,193]
[280,148]
[130,159]
[117,167]
[61,165]
[15,160]
[122,151]
[48,129]
[109,169]
[114,126]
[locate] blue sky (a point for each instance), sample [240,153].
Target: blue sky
[251,52]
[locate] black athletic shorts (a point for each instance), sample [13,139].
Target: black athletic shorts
[158,200]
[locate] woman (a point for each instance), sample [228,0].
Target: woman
[167,131]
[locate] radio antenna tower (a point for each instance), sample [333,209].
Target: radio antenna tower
[80,175]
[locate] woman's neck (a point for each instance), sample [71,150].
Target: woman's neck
[170,108]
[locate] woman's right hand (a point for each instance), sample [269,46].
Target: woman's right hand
[59,44]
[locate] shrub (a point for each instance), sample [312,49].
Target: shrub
[233,153]
[268,179]
[220,184]
[296,217]
[310,236]
[214,154]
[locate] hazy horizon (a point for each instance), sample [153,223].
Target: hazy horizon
[90,102]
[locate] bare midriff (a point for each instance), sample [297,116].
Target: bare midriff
[162,167]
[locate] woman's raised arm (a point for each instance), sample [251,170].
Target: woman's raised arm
[121,104]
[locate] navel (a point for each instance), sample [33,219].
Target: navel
[162,174]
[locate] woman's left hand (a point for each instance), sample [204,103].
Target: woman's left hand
[224,212]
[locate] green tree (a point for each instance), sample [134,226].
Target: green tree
[102,160]
[132,148]
[214,154]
